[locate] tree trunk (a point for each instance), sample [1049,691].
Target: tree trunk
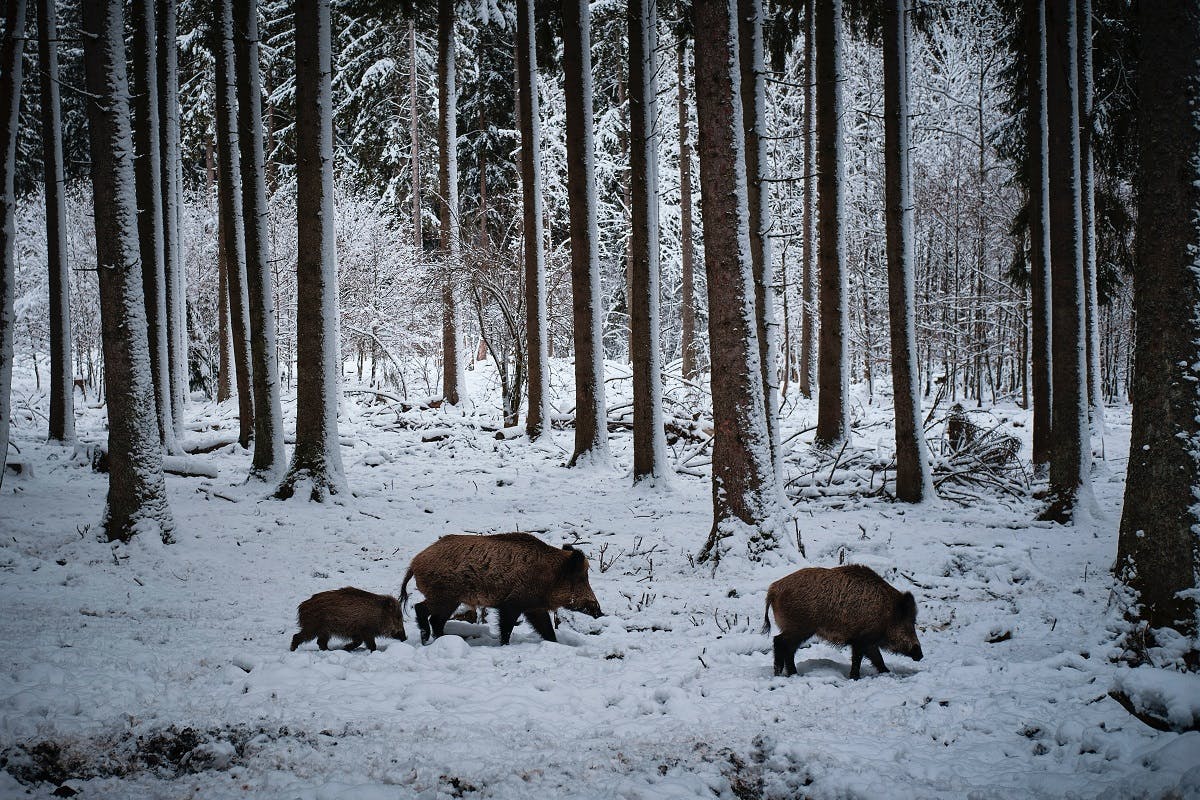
[1037,144]
[687,300]
[147,167]
[1087,173]
[536,420]
[744,489]
[268,418]
[809,217]
[914,481]
[453,382]
[414,152]
[224,338]
[832,423]
[591,416]
[1070,459]
[229,197]
[11,50]
[137,494]
[62,388]
[754,109]
[317,460]
[1158,553]
[172,200]
[649,441]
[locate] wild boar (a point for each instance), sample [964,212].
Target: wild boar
[351,613]
[515,573]
[843,605]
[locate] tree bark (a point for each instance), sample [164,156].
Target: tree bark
[137,494]
[62,388]
[224,338]
[1037,143]
[414,152]
[744,489]
[649,441]
[268,457]
[914,481]
[591,416]
[172,200]
[833,426]
[1070,459]
[687,300]
[229,198]
[809,216]
[147,168]
[317,459]
[11,51]
[536,420]
[453,381]
[1095,390]
[1158,552]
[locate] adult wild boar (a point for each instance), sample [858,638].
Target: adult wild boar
[843,605]
[515,573]
[350,613]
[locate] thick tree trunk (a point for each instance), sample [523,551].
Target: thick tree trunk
[744,489]
[914,481]
[687,300]
[537,420]
[1158,553]
[754,110]
[649,441]
[591,416]
[1041,359]
[147,167]
[833,426]
[809,217]
[317,460]
[62,388]
[229,198]
[268,418]
[137,494]
[224,338]
[1087,173]
[1070,460]
[414,145]
[11,49]
[453,381]
[172,201]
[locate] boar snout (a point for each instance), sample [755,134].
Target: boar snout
[915,654]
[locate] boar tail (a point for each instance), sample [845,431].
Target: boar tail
[404,591]
[766,628]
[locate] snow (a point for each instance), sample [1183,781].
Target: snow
[1173,696]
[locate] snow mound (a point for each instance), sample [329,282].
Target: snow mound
[1170,696]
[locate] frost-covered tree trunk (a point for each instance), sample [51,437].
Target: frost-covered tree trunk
[1038,148]
[914,481]
[808,241]
[316,461]
[414,143]
[591,415]
[687,290]
[137,494]
[649,440]
[1070,460]
[62,389]
[229,199]
[172,201]
[833,425]
[268,457]
[453,380]
[11,49]
[147,168]
[754,110]
[1158,552]
[224,339]
[1087,173]
[537,420]
[744,488]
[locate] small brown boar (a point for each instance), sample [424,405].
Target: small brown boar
[515,573]
[843,605]
[351,613]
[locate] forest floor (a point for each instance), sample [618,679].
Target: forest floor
[145,670]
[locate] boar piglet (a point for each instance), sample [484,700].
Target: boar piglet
[515,573]
[350,613]
[844,605]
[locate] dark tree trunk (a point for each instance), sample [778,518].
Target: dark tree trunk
[1158,553]
[591,417]
[1038,148]
[744,489]
[172,199]
[268,418]
[1070,459]
[687,300]
[62,389]
[832,423]
[452,368]
[11,50]
[137,494]
[317,460]
[809,217]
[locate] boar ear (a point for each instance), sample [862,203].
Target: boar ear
[906,606]
[576,562]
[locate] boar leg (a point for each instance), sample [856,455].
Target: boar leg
[856,657]
[302,637]
[785,653]
[439,615]
[352,644]
[323,641]
[872,652]
[370,640]
[540,620]
[422,611]
[508,620]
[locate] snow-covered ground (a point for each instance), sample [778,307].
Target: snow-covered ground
[145,670]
